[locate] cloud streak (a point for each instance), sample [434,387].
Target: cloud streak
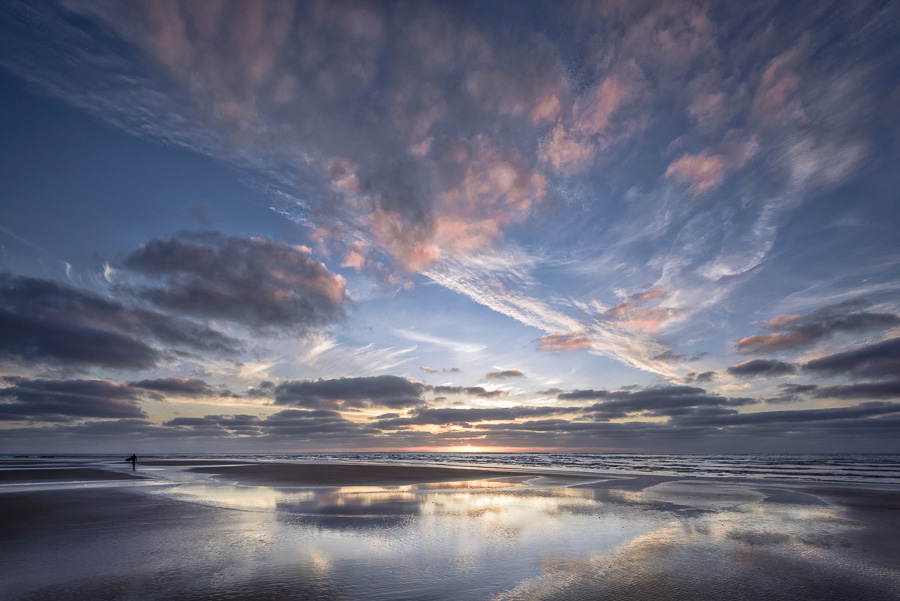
[798,331]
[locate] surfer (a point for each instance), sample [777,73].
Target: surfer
[133,460]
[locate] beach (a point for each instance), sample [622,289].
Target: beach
[204,530]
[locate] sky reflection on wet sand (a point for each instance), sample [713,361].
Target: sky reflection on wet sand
[191,536]
[495,539]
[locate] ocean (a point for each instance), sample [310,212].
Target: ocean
[863,468]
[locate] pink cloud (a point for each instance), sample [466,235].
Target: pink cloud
[565,153]
[780,321]
[701,171]
[560,343]
[593,112]
[704,171]
[777,100]
[648,319]
[572,146]
[764,343]
[649,295]
[354,259]
[408,243]
[632,315]
[672,36]
[547,110]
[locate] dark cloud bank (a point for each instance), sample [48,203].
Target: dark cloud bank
[685,417]
[194,278]
[255,282]
[24,399]
[47,322]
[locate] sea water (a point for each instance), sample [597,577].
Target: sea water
[865,468]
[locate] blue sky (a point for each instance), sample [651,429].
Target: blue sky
[660,226]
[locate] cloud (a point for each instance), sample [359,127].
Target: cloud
[381,176]
[240,425]
[889,389]
[777,100]
[262,390]
[561,343]
[406,136]
[602,116]
[455,345]
[64,400]
[293,426]
[661,401]
[695,376]
[669,355]
[494,280]
[704,171]
[474,391]
[795,331]
[255,282]
[466,417]
[877,360]
[791,393]
[762,367]
[346,393]
[868,426]
[430,370]
[701,171]
[631,314]
[190,387]
[298,425]
[504,375]
[804,416]
[44,321]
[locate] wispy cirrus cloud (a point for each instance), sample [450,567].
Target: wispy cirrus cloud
[495,281]
[558,343]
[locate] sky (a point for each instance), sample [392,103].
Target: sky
[469,226]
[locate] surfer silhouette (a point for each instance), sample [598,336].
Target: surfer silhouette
[133,460]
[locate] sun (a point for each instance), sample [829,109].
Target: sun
[467,449]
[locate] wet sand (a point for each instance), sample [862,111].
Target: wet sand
[274,531]
[354,474]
